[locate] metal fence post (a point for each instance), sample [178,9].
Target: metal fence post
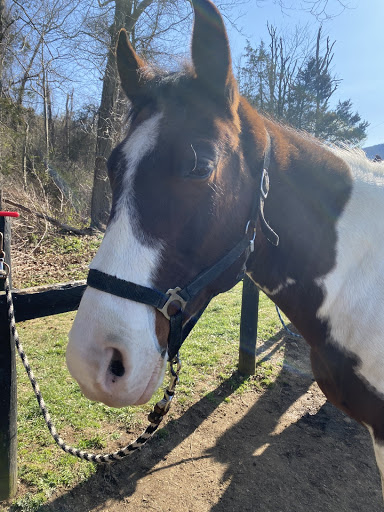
[248,327]
[8,390]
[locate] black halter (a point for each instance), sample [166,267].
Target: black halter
[152,297]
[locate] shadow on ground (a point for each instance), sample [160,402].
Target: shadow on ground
[319,462]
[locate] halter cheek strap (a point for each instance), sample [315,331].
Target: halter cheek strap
[152,297]
[258,212]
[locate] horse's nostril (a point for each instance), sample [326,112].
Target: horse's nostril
[116,366]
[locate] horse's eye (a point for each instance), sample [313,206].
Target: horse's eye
[202,170]
[203,163]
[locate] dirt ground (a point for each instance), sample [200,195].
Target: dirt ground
[283,450]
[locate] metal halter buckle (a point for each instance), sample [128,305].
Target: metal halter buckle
[252,240]
[173,297]
[264,185]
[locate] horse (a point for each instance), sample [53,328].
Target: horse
[204,190]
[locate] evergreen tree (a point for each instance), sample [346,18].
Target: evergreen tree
[346,125]
[252,76]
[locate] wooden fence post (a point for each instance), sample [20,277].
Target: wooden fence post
[248,327]
[8,390]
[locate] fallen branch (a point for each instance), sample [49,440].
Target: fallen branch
[55,222]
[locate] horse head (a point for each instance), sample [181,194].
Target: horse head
[177,179]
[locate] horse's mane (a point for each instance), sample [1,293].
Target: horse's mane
[356,159]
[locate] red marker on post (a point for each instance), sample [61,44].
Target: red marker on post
[9,214]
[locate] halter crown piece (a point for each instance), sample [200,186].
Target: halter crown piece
[161,301]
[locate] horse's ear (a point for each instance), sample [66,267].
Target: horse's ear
[211,55]
[129,65]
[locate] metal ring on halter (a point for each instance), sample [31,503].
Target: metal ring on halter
[173,297]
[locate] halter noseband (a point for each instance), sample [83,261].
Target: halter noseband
[161,301]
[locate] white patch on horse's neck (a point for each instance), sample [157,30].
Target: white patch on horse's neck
[354,288]
[121,252]
[289,281]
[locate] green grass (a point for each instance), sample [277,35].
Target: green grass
[209,358]
[71,243]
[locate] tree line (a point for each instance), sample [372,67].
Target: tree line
[62,111]
[293,82]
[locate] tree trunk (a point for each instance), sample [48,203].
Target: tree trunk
[27,70]
[45,112]
[126,15]
[68,119]
[25,149]
[51,124]
[100,205]
[101,196]
[2,42]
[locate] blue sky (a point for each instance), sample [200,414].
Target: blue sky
[359,50]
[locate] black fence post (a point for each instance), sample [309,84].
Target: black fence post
[248,327]
[8,390]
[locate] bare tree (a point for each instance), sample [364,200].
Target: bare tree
[67,122]
[45,27]
[296,87]
[126,14]
[6,39]
[322,70]
[150,23]
[2,42]
[321,9]
[267,75]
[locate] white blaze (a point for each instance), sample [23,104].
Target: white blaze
[106,324]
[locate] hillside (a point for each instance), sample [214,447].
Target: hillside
[372,151]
